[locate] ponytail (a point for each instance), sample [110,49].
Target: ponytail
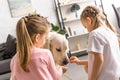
[109,25]
[26,28]
[24,43]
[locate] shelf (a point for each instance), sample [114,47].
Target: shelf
[85,34]
[69,20]
[78,51]
[79,1]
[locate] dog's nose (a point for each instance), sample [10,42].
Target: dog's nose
[65,61]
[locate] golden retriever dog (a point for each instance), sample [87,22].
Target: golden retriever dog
[58,45]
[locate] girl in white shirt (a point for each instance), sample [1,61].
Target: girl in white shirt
[103,46]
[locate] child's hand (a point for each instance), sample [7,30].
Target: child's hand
[64,69]
[86,68]
[74,59]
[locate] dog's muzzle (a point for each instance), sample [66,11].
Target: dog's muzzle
[66,59]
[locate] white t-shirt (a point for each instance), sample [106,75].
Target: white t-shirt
[103,41]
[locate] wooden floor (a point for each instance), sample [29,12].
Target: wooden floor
[77,72]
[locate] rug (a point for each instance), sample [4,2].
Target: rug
[65,77]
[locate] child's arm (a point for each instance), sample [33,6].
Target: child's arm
[74,59]
[97,65]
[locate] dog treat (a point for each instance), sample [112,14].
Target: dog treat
[78,46]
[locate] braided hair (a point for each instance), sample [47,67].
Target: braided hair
[95,13]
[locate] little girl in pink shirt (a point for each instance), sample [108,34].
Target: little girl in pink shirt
[31,62]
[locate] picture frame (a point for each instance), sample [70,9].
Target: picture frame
[20,7]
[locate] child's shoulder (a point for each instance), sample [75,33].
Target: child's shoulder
[40,50]
[97,32]
[37,52]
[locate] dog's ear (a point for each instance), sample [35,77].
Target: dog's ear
[47,44]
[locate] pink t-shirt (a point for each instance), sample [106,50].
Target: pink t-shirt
[41,66]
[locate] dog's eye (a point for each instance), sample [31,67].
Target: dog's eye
[58,49]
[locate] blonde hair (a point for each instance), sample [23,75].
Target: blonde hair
[25,29]
[95,13]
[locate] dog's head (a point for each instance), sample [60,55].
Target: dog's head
[58,45]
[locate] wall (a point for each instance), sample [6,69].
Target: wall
[8,23]
[45,8]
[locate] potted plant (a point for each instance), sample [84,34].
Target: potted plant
[75,7]
[58,29]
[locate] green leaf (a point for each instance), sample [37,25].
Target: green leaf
[57,29]
[62,32]
[54,27]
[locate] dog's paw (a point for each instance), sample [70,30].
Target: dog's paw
[64,69]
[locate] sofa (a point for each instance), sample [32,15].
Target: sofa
[7,51]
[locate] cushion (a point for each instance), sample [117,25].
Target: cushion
[5,66]
[10,47]
[2,49]
[1,55]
